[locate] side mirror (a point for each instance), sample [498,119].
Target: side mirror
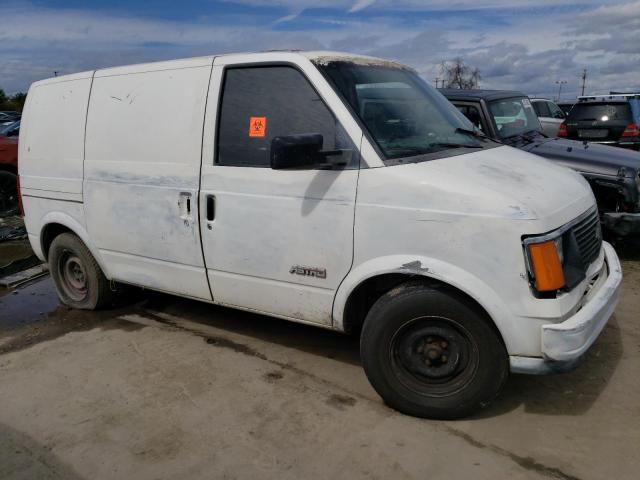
[296,151]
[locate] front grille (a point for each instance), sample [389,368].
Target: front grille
[588,236]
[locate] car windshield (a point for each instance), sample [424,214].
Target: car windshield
[405,117]
[513,117]
[602,112]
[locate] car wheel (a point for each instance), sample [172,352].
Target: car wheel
[78,278]
[428,352]
[8,194]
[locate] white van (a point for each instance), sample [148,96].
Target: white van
[323,188]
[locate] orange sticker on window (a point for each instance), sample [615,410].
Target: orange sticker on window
[257,126]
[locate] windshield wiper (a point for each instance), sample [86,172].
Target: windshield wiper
[475,132]
[454,145]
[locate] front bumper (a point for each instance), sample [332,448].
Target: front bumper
[622,224]
[631,144]
[565,343]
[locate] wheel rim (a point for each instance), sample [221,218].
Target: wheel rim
[434,356]
[73,276]
[8,192]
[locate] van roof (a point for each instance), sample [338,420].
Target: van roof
[318,56]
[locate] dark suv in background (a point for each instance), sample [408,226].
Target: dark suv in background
[611,120]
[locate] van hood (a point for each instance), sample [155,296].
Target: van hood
[586,157]
[498,182]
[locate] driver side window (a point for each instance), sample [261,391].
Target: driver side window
[261,103]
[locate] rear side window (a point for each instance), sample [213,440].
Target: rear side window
[260,103]
[602,112]
[555,111]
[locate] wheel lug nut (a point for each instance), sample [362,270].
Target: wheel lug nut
[428,362]
[444,359]
[444,344]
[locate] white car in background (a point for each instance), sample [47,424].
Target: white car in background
[549,114]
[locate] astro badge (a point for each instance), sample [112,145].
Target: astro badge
[257,126]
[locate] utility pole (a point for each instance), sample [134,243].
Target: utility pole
[437,80]
[560,83]
[584,79]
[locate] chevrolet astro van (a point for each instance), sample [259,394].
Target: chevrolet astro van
[334,190]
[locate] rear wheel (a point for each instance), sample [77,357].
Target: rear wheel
[79,280]
[428,352]
[8,194]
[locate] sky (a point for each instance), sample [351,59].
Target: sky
[526,45]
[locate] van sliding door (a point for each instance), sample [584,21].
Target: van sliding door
[141,177]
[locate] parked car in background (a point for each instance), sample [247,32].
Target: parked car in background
[9,168]
[610,119]
[7,117]
[566,106]
[613,173]
[549,114]
[325,188]
[11,129]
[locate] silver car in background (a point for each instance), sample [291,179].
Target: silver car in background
[549,114]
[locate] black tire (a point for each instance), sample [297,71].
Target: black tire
[8,193]
[79,280]
[429,353]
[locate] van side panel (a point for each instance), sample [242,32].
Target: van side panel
[52,138]
[143,151]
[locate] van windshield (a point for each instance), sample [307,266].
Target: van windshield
[514,117]
[408,119]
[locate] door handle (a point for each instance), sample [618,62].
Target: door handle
[184,205]
[211,208]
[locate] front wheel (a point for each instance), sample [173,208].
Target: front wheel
[429,353]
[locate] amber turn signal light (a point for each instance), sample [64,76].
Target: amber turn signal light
[547,269]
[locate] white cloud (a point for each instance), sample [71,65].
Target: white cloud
[361,5]
[529,51]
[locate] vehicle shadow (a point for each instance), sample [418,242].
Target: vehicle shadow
[306,338]
[571,393]
[21,457]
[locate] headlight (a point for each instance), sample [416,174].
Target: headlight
[545,260]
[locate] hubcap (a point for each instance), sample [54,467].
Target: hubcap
[74,280]
[433,356]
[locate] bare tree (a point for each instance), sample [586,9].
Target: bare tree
[459,75]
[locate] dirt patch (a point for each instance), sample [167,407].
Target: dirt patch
[341,401]
[273,377]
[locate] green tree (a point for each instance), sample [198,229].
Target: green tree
[18,99]
[13,102]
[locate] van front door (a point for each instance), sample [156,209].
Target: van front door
[275,241]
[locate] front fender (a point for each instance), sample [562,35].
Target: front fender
[431,268]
